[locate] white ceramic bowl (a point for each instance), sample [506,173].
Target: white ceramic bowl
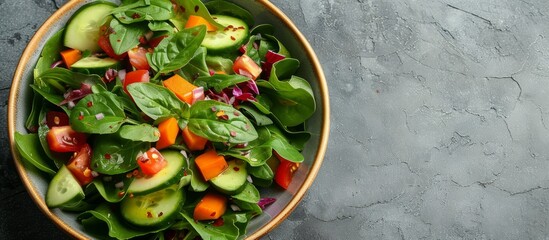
[264,12]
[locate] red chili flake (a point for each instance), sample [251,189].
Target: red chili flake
[241,27]
[135,172]
[230,26]
[80,117]
[142,40]
[213,214]
[160,214]
[182,9]
[185,173]
[247,127]
[236,169]
[118,40]
[89,104]
[224,117]
[136,16]
[232,38]
[149,215]
[196,8]
[121,194]
[107,156]
[131,195]
[218,222]
[213,109]
[236,113]
[233,134]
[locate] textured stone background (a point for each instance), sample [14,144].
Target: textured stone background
[440,119]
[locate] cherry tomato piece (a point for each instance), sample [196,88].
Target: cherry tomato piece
[65,139]
[138,58]
[151,162]
[79,165]
[285,172]
[135,77]
[105,45]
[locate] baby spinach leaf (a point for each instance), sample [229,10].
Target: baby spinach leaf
[157,101]
[220,81]
[262,29]
[257,152]
[281,145]
[60,78]
[220,122]
[160,26]
[256,116]
[29,147]
[99,113]
[106,186]
[219,63]
[262,175]
[252,208]
[141,10]
[293,99]
[250,194]
[117,227]
[114,155]
[142,132]
[197,66]
[197,181]
[50,96]
[228,231]
[50,53]
[31,123]
[219,7]
[58,158]
[175,51]
[125,36]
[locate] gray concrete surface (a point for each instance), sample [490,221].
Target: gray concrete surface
[440,115]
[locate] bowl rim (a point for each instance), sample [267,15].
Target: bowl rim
[32,47]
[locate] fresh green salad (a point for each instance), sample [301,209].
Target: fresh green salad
[163,119]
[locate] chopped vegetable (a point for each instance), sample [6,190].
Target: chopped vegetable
[151,162]
[195,20]
[210,164]
[211,207]
[65,139]
[182,88]
[168,133]
[70,56]
[193,141]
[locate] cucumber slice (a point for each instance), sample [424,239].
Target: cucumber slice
[166,177]
[228,39]
[82,31]
[64,189]
[94,65]
[233,179]
[154,208]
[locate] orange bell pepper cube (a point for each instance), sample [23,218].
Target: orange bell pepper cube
[212,206]
[210,164]
[193,141]
[195,20]
[182,88]
[70,56]
[168,133]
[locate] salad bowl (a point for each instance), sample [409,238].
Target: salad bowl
[286,200]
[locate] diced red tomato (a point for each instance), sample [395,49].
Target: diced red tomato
[135,77]
[106,46]
[244,65]
[65,139]
[56,119]
[151,162]
[155,41]
[79,165]
[285,172]
[138,58]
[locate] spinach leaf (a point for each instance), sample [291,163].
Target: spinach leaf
[175,51]
[141,10]
[117,227]
[58,158]
[219,7]
[142,132]
[293,99]
[114,155]
[281,145]
[296,135]
[263,104]
[262,29]
[197,181]
[185,8]
[29,147]
[219,63]
[197,66]
[125,36]
[256,116]
[50,95]
[227,231]
[157,101]
[60,78]
[106,186]
[31,124]
[220,122]
[220,81]
[252,208]
[160,26]
[257,152]
[280,49]
[99,113]
[262,171]
[50,53]
[250,194]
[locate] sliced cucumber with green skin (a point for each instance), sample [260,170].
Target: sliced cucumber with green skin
[233,179]
[82,31]
[166,177]
[153,209]
[94,65]
[64,189]
[228,39]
